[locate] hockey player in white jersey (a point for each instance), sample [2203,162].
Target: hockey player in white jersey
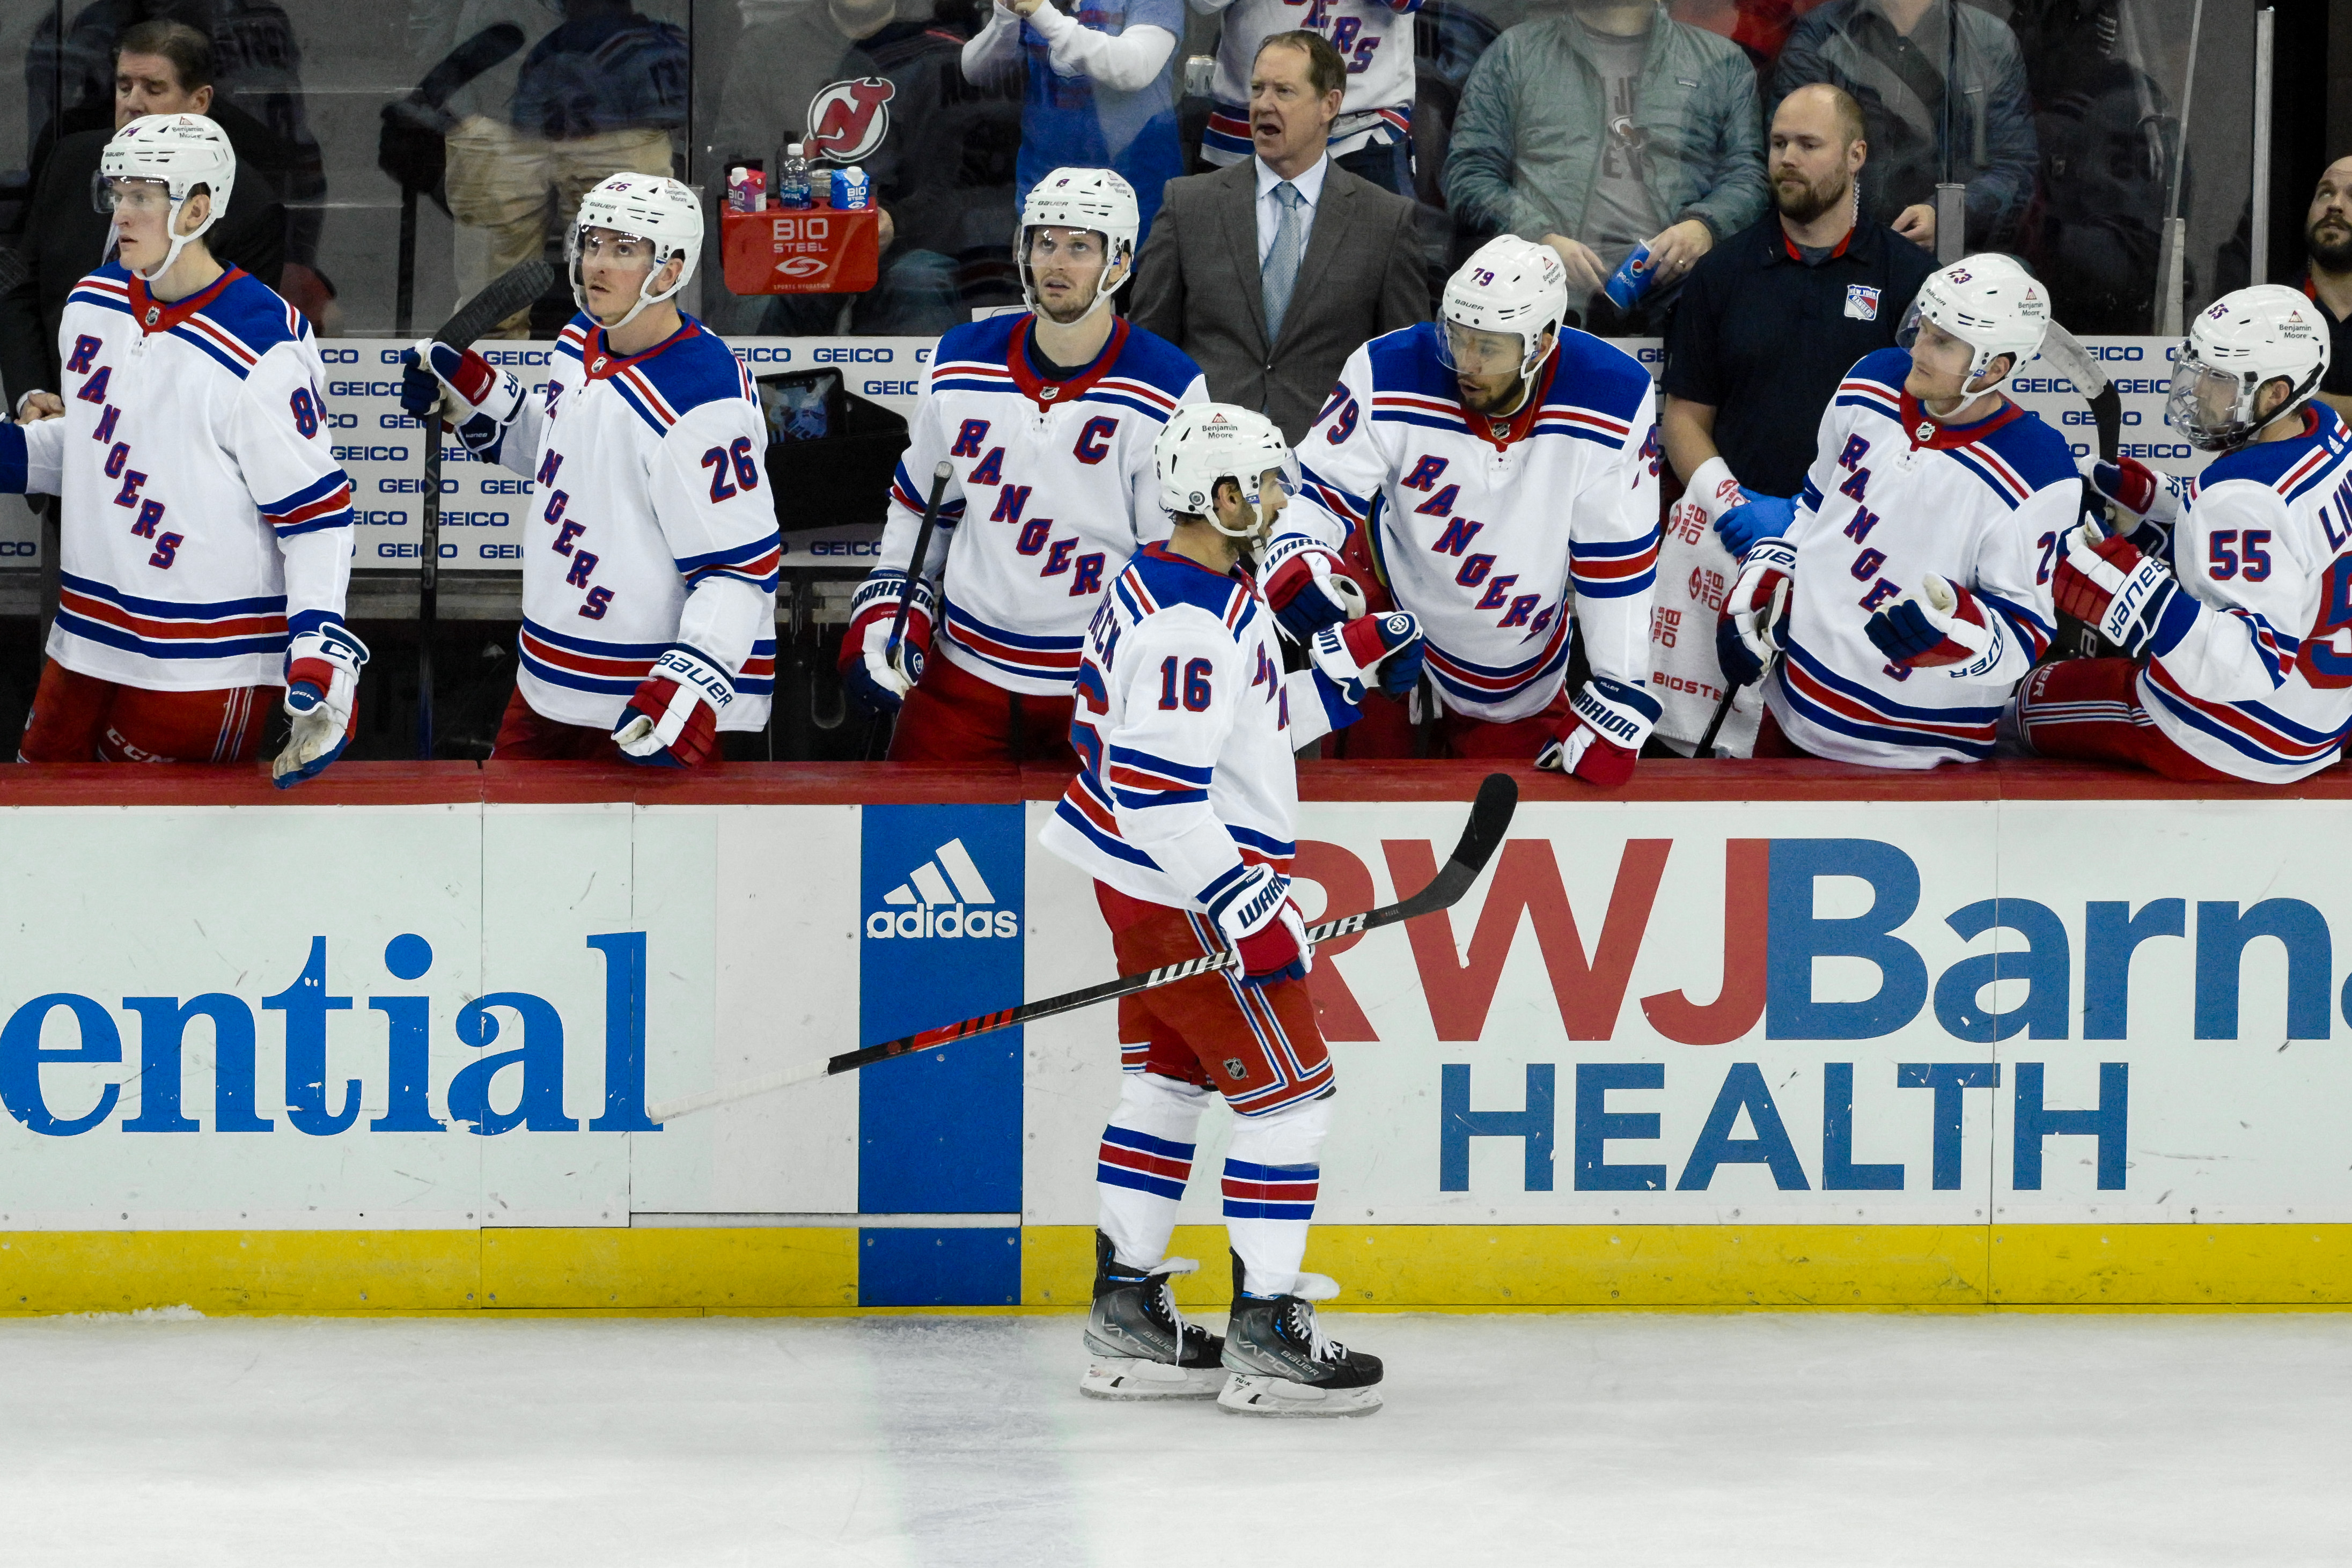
[649,590]
[2232,599]
[1373,38]
[206,540]
[1912,591]
[1046,421]
[1183,813]
[1501,473]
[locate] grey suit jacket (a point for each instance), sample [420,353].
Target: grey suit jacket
[1197,285]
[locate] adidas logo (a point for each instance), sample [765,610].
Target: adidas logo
[944,896]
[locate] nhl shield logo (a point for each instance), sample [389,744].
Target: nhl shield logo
[848,119]
[1234,1069]
[1925,433]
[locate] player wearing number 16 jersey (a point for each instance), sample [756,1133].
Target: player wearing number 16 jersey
[650,575]
[206,538]
[2233,596]
[1045,421]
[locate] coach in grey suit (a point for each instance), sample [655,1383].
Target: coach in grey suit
[1271,272]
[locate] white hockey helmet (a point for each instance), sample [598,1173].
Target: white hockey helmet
[2237,345]
[1509,287]
[1209,441]
[1989,302]
[178,152]
[651,207]
[1096,199]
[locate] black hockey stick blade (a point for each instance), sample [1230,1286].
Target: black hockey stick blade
[509,292]
[1490,819]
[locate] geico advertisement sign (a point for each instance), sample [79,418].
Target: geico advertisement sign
[1869,1011]
[50,1042]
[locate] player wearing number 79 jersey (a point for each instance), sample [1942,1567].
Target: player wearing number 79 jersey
[206,539]
[2240,649]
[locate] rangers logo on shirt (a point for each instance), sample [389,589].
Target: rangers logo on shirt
[1862,302]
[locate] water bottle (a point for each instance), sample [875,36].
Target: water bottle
[793,184]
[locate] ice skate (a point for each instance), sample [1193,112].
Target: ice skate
[1283,1366]
[1140,1345]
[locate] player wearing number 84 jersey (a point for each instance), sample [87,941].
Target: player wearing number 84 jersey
[206,538]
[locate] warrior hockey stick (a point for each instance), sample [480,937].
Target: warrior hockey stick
[939,477]
[509,292]
[1490,818]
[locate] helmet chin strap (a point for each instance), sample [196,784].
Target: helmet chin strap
[179,242]
[580,292]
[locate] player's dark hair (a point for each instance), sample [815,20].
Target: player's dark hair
[190,52]
[1325,69]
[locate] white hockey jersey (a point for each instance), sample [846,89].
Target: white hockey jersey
[1892,497]
[1373,36]
[1464,514]
[1052,489]
[204,512]
[2249,672]
[656,524]
[1185,729]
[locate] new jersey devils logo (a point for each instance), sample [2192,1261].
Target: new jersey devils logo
[847,120]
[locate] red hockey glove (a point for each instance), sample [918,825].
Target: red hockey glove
[673,719]
[1308,592]
[1251,904]
[1608,721]
[876,676]
[2108,584]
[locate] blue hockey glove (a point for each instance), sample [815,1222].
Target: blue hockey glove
[1346,655]
[473,397]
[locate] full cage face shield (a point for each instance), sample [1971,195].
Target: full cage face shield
[583,237]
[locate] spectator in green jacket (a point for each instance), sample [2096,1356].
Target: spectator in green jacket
[1605,128]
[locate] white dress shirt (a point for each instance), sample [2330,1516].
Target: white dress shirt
[1269,211]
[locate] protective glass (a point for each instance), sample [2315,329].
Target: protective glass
[1465,351]
[129,195]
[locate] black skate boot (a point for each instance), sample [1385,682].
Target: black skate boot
[1141,1345]
[1282,1365]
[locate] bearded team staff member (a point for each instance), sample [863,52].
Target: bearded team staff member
[1912,591]
[1046,421]
[1504,473]
[2237,614]
[207,529]
[1184,812]
[649,587]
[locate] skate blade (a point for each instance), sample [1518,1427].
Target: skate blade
[1132,1379]
[1249,1395]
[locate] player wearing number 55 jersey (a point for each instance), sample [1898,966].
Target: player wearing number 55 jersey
[2240,647]
[1045,421]
[1501,473]
[207,537]
[1183,813]
[1911,592]
[650,575]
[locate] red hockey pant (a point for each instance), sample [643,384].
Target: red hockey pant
[81,718]
[2089,708]
[524,735]
[956,716]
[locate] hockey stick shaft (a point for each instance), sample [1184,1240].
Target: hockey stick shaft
[1490,818]
[939,477]
[1715,726]
[509,292]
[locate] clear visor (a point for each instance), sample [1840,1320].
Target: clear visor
[1468,351]
[1908,333]
[614,247]
[120,194]
[2208,395]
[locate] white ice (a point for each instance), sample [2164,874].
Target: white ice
[1621,1439]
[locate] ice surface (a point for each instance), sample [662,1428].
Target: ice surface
[1621,1439]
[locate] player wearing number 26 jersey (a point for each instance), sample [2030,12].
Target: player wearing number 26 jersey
[649,572]
[2241,646]
[207,524]
[1911,592]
